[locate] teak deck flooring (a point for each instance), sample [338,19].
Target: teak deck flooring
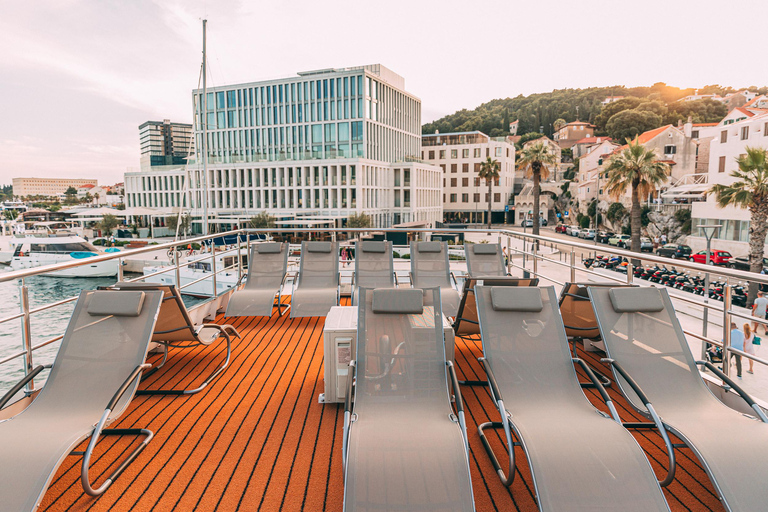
[257,438]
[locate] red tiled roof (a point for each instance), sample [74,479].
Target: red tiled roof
[652,134]
[705,124]
[745,111]
[87,185]
[593,140]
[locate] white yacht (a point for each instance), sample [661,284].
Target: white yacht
[38,249]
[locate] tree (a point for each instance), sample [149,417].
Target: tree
[70,195]
[108,223]
[559,123]
[54,207]
[489,171]
[526,138]
[614,108]
[616,214]
[87,198]
[750,190]
[96,197]
[535,161]
[358,221]
[635,168]
[262,220]
[628,124]
[179,224]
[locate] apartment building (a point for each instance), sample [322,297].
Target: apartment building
[742,127]
[325,143]
[573,132]
[465,194]
[23,187]
[164,143]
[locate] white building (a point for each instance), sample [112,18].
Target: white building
[326,143]
[742,127]
[465,194]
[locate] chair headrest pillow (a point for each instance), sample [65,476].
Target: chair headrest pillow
[269,248]
[373,246]
[505,298]
[319,246]
[115,303]
[429,246]
[484,248]
[636,300]
[404,301]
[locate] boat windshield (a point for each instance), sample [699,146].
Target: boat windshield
[62,248]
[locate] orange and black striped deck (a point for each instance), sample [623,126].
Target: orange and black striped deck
[258,440]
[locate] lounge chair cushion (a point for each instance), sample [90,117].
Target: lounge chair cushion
[319,247]
[429,247]
[636,300]
[398,301]
[484,248]
[125,303]
[504,298]
[374,246]
[269,248]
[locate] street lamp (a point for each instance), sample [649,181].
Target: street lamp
[709,230]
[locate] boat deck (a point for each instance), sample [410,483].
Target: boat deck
[257,438]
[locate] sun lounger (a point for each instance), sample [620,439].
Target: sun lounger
[316,290]
[374,267]
[655,369]
[175,329]
[534,384]
[466,322]
[430,268]
[267,266]
[485,260]
[92,381]
[404,448]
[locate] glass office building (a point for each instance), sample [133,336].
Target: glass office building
[324,143]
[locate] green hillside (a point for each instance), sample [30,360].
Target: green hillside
[648,108]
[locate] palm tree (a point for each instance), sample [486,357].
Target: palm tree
[635,167]
[535,160]
[750,191]
[489,171]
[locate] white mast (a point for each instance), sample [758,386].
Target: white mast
[204,122]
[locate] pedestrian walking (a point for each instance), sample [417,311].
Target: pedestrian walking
[737,342]
[663,239]
[759,309]
[749,347]
[344,257]
[506,256]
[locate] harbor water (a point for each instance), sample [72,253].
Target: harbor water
[45,324]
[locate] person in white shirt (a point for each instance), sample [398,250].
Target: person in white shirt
[759,308]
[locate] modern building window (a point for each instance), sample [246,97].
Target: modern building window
[744,132]
[453,182]
[477,182]
[465,153]
[496,197]
[464,182]
[723,136]
[464,198]
[431,155]
[454,153]
[498,151]
[477,166]
[721,164]
[442,166]
[442,154]
[464,167]
[454,167]
[476,197]
[453,198]
[765,130]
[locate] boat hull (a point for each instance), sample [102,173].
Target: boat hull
[99,269]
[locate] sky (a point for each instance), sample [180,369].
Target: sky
[77,77]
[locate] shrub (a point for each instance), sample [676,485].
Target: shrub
[584,222]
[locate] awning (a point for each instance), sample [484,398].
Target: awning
[693,191]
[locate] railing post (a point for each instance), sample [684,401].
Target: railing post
[213,270]
[573,266]
[239,260]
[630,272]
[178,273]
[509,256]
[534,250]
[705,318]
[119,270]
[26,332]
[726,327]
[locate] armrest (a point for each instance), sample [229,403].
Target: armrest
[635,387]
[120,392]
[455,386]
[19,385]
[350,387]
[599,387]
[410,277]
[491,379]
[714,369]
[225,329]
[397,282]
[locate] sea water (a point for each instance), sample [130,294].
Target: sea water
[45,324]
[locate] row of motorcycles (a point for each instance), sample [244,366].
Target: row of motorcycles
[681,280]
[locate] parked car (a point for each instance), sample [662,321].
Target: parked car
[619,240]
[560,228]
[646,245]
[587,234]
[568,230]
[528,223]
[604,236]
[742,263]
[715,257]
[575,231]
[543,221]
[674,251]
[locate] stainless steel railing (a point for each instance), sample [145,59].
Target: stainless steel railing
[532,258]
